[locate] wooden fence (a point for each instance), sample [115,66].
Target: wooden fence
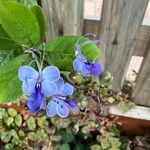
[120,25]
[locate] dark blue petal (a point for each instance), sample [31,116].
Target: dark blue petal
[62,109]
[27,72]
[67,90]
[28,86]
[36,101]
[96,69]
[72,104]
[48,88]
[51,73]
[51,108]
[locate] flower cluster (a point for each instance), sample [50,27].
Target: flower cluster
[47,83]
[82,65]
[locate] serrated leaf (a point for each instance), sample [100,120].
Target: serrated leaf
[38,12]
[31,123]
[41,134]
[61,51]
[21,133]
[19,23]
[6,43]
[10,86]
[105,143]
[12,112]
[18,120]
[3,113]
[95,147]
[32,136]
[9,146]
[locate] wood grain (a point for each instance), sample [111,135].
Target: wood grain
[120,23]
[64,17]
[141,92]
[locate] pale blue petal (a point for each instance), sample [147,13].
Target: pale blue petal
[62,109]
[68,90]
[28,86]
[78,65]
[27,72]
[51,108]
[60,85]
[51,73]
[48,88]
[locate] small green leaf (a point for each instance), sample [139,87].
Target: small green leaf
[21,133]
[42,122]
[61,51]
[9,146]
[15,136]
[64,146]
[5,136]
[19,23]
[110,100]
[10,86]
[105,143]
[32,136]
[18,120]
[9,121]
[12,112]
[31,123]
[3,113]
[96,147]
[41,134]
[38,12]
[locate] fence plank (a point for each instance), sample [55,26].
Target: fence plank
[64,17]
[141,93]
[141,40]
[120,22]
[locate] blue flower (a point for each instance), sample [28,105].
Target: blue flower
[38,85]
[80,64]
[59,105]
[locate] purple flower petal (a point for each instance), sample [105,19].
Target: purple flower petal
[96,69]
[51,108]
[68,90]
[48,88]
[28,86]
[27,72]
[36,101]
[72,104]
[62,109]
[51,73]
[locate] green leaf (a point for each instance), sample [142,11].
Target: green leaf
[68,137]
[18,120]
[41,134]
[15,140]
[3,113]
[9,121]
[5,136]
[64,146]
[31,123]
[105,143]
[95,147]
[19,23]
[10,86]
[61,51]
[12,112]
[38,12]
[28,3]
[32,136]
[21,133]
[5,56]
[6,43]
[9,146]
[110,100]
